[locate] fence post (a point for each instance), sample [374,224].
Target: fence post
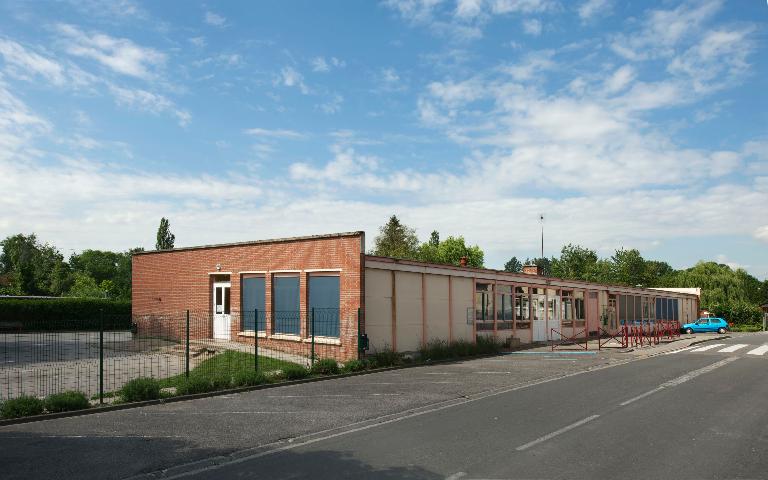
[256,339]
[101,356]
[312,331]
[186,364]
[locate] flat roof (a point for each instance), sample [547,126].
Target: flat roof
[257,242]
[519,276]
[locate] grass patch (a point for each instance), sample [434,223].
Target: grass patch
[746,327]
[353,366]
[223,371]
[295,372]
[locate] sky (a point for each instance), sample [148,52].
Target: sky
[627,124]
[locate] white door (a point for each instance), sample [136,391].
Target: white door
[539,318]
[221,316]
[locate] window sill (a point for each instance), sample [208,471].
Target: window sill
[249,333]
[324,340]
[282,336]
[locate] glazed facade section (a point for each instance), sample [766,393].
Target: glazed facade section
[409,303]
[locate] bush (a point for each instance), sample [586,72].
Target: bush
[194,384]
[435,350]
[738,313]
[66,402]
[140,389]
[747,328]
[23,406]
[353,366]
[221,382]
[295,372]
[487,345]
[51,314]
[248,378]
[387,358]
[326,366]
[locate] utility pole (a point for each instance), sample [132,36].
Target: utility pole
[541,219]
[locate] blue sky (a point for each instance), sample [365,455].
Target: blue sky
[628,124]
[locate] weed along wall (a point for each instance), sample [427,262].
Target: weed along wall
[282,290]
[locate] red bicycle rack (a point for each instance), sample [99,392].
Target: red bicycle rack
[572,340]
[621,337]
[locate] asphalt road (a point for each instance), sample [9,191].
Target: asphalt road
[689,414]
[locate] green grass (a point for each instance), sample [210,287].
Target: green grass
[746,327]
[225,367]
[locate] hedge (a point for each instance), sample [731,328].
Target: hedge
[65,313]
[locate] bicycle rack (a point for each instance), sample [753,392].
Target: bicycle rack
[573,340]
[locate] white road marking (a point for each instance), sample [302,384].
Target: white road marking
[758,350]
[681,379]
[733,348]
[556,433]
[709,347]
[679,350]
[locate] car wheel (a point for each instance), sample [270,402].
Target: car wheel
[721,330]
[689,331]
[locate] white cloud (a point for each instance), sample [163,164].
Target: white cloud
[761,233]
[215,19]
[198,41]
[592,8]
[149,102]
[532,26]
[469,8]
[275,133]
[26,61]
[290,77]
[620,79]
[531,65]
[333,105]
[118,54]
[320,64]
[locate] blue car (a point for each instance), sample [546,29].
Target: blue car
[711,324]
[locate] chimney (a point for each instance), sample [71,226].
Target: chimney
[463,262]
[532,269]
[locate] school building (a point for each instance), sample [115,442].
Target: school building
[325,286]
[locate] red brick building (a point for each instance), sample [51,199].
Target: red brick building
[283,290]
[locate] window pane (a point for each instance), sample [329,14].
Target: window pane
[522,310]
[324,302]
[253,295]
[285,294]
[219,300]
[226,300]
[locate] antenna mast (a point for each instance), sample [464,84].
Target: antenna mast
[541,219]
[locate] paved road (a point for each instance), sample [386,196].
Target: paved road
[690,414]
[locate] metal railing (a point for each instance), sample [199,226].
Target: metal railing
[100,356]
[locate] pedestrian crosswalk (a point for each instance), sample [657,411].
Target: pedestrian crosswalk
[739,348]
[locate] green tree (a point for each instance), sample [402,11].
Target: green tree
[629,268]
[396,240]
[165,238]
[513,265]
[85,286]
[575,262]
[452,249]
[34,268]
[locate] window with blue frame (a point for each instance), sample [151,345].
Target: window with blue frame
[286,317]
[324,295]
[253,294]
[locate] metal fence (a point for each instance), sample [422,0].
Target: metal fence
[100,356]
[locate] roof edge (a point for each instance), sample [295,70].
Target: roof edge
[518,274]
[257,242]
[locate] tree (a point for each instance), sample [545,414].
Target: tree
[34,268]
[85,286]
[165,238]
[629,268]
[513,265]
[452,249]
[575,262]
[396,240]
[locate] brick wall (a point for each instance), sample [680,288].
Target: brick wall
[175,281]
